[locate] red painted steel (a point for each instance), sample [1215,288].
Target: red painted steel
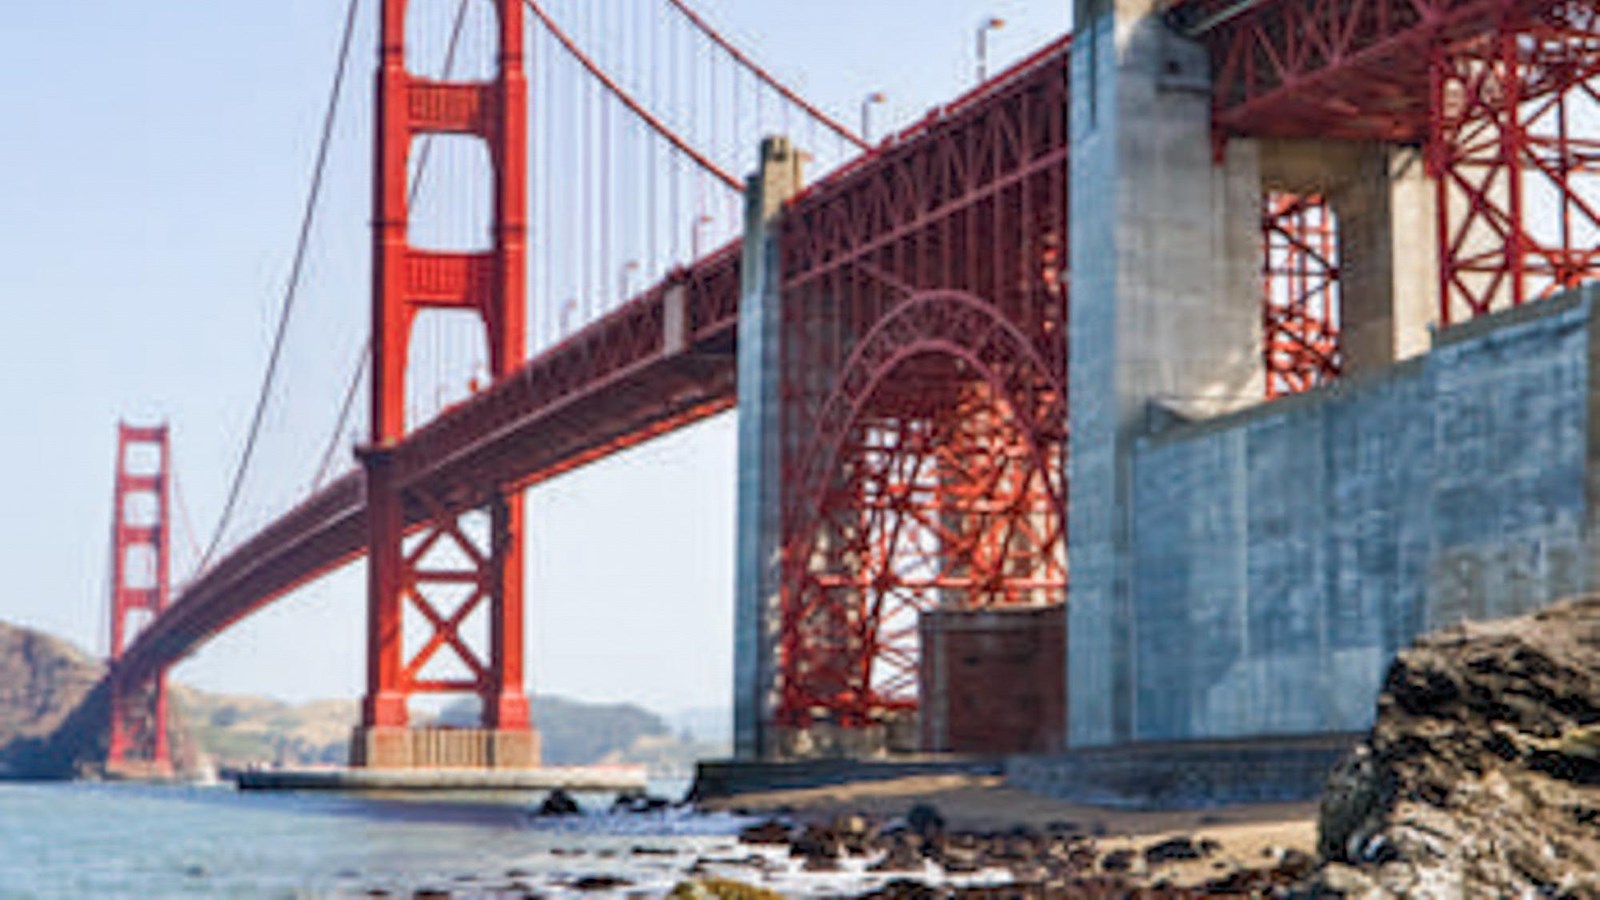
[1498,90]
[1515,146]
[923,367]
[923,394]
[1300,293]
[449,556]
[616,383]
[141,531]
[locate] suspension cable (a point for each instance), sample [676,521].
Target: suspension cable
[766,77]
[628,100]
[308,216]
[365,358]
[191,537]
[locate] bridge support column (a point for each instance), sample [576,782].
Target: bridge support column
[1164,250]
[140,583]
[757,565]
[1384,204]
[445,560]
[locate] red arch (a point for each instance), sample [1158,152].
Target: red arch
[946,323]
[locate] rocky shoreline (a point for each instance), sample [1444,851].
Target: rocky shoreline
[1060,860]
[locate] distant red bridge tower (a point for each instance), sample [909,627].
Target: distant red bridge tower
[464,551]
[140,587]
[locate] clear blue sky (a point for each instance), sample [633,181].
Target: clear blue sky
[156,158]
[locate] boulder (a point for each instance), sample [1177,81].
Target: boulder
[559,803]
[1481,775]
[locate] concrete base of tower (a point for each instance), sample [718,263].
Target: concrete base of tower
[822,740]
[444,748]
[140,770]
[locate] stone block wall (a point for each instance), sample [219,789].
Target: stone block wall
[1280,556]
[991,680]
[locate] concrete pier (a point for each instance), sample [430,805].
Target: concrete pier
[618,779]
[1166,284]
[755,623]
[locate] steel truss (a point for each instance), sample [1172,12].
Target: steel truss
[1515,145]
[1500,91]
[1300,293]
[448,571]
[923,393]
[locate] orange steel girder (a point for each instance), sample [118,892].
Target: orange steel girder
[1515,144]
[922,393]
[141,532]
[407,280]
[1500,93]
[1300,293]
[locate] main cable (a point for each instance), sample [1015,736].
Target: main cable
[364,360]
[766,77]
[307,219]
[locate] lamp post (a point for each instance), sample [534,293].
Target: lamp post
[990,24]
[871,100]
[566,314]
[628,268]
[700,222]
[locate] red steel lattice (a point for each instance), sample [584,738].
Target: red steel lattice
[140,582]
[923,393]
[461,561]
[1300,293]
[1515,145]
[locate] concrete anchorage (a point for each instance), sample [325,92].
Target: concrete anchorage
[1166,260]
[1165,290]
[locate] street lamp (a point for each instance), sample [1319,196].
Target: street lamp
[989,24]
[628,268]
[872,99]
[566,314]
[700,222]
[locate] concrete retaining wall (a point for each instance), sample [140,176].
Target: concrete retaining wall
[1281,555]
[1184,774]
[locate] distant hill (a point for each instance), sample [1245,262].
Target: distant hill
[704,724]
[52,722]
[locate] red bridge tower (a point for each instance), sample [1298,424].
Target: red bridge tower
[140,587]
[440,558]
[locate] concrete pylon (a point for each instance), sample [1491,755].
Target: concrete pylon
[757,565]
[1165,309]
[1384,207]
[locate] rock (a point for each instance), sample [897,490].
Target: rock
[638,803]
[721,889]
[1339,880]
[600,883]
[1480,776]
[1178,848]
[559,803]
[817,842]
[855,834]
[820,863]
[904,889]
[924,819]
[902,856]
[1117,861]
[771,831]
[1296,863]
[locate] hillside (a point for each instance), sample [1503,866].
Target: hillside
[52,722]
[42,679]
